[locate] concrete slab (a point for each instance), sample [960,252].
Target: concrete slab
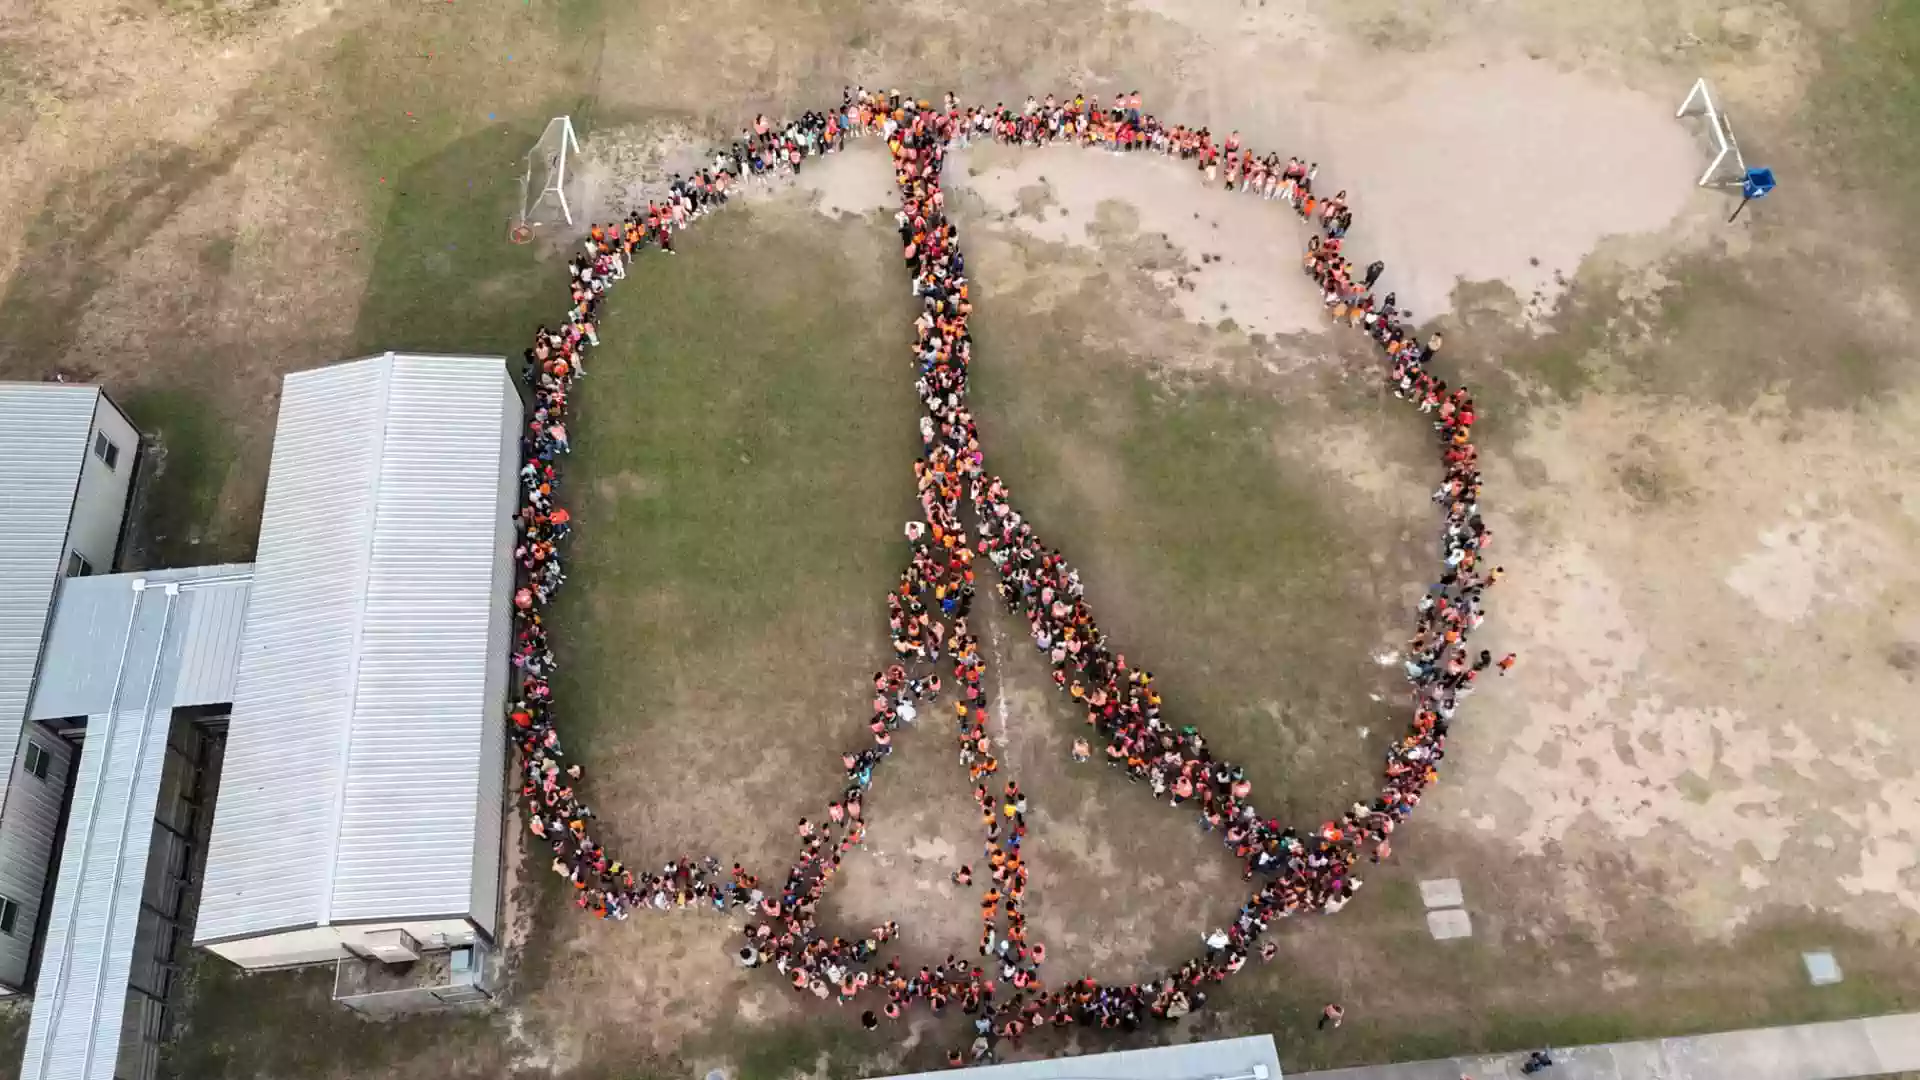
[1491,1068]
[1250,1056]
[1876,1046]
[1822,968]
[1588,1062]
[1449,924]
[1441,893]
[1895,1041]
[1640,1059]
[1808,1050]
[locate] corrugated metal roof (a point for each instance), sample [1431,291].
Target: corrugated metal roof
[421,718]
[43,443]
[1218,1059]
[82,656]
[157,638]
[283,762]
[354,758]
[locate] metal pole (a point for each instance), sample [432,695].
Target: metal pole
[1736,210]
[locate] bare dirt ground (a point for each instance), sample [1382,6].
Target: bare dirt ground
[1699,447]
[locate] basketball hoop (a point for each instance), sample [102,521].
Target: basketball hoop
[521,234]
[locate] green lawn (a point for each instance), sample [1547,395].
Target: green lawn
[188,459]
[1255,586]
[744,444]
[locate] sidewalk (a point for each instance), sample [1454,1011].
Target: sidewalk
[1843,1048]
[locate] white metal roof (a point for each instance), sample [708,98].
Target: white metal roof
[43,443]
[365,704]
[82,661]
[142,641]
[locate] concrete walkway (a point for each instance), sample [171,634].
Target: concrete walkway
[1844,1048]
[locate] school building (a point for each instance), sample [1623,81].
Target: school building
[295,761]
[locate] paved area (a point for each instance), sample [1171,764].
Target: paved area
[1844,1048]
[1441,893]
[1449,924]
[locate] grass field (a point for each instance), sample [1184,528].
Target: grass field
[743,482]
[1699,463]
[1247,574]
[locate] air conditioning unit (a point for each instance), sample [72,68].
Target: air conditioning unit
[391,946]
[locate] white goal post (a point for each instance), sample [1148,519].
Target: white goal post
[1721,170]
[547,164]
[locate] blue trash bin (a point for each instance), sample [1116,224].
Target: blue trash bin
[1755,186]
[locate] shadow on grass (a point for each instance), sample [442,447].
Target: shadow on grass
[184,470]
[87,227]
[446,276]
[286,1024]
[13,1034]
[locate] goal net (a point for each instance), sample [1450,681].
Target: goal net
[543,187]
[1727,166]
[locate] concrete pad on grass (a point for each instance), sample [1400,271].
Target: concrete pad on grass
[1441,893]
[1449,924]
[1822,968]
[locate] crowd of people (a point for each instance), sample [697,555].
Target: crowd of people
[966,515]
[553,366]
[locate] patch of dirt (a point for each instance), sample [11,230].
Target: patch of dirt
[626,484]
[732,787]
[1122,885]
[1531,220]
[651,988]
[1219,254]
[268,298]
[1709,672]
[1116,877]
[622,167]
[858,181]
[102,78]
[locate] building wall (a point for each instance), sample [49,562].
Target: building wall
[100,505]
[489,837]
[27,835]
[324,944]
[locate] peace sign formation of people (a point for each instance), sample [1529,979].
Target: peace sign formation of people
[967,513]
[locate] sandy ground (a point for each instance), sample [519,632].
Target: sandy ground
[1224,252]
[1550,180]
[1719,686]
[1527,213]
[1467,185]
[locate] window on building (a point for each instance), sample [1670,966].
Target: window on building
[9,911]
[105,450]
[37,759]
[77,565]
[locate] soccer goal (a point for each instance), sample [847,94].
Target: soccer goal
[544,184]
[1727,167]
